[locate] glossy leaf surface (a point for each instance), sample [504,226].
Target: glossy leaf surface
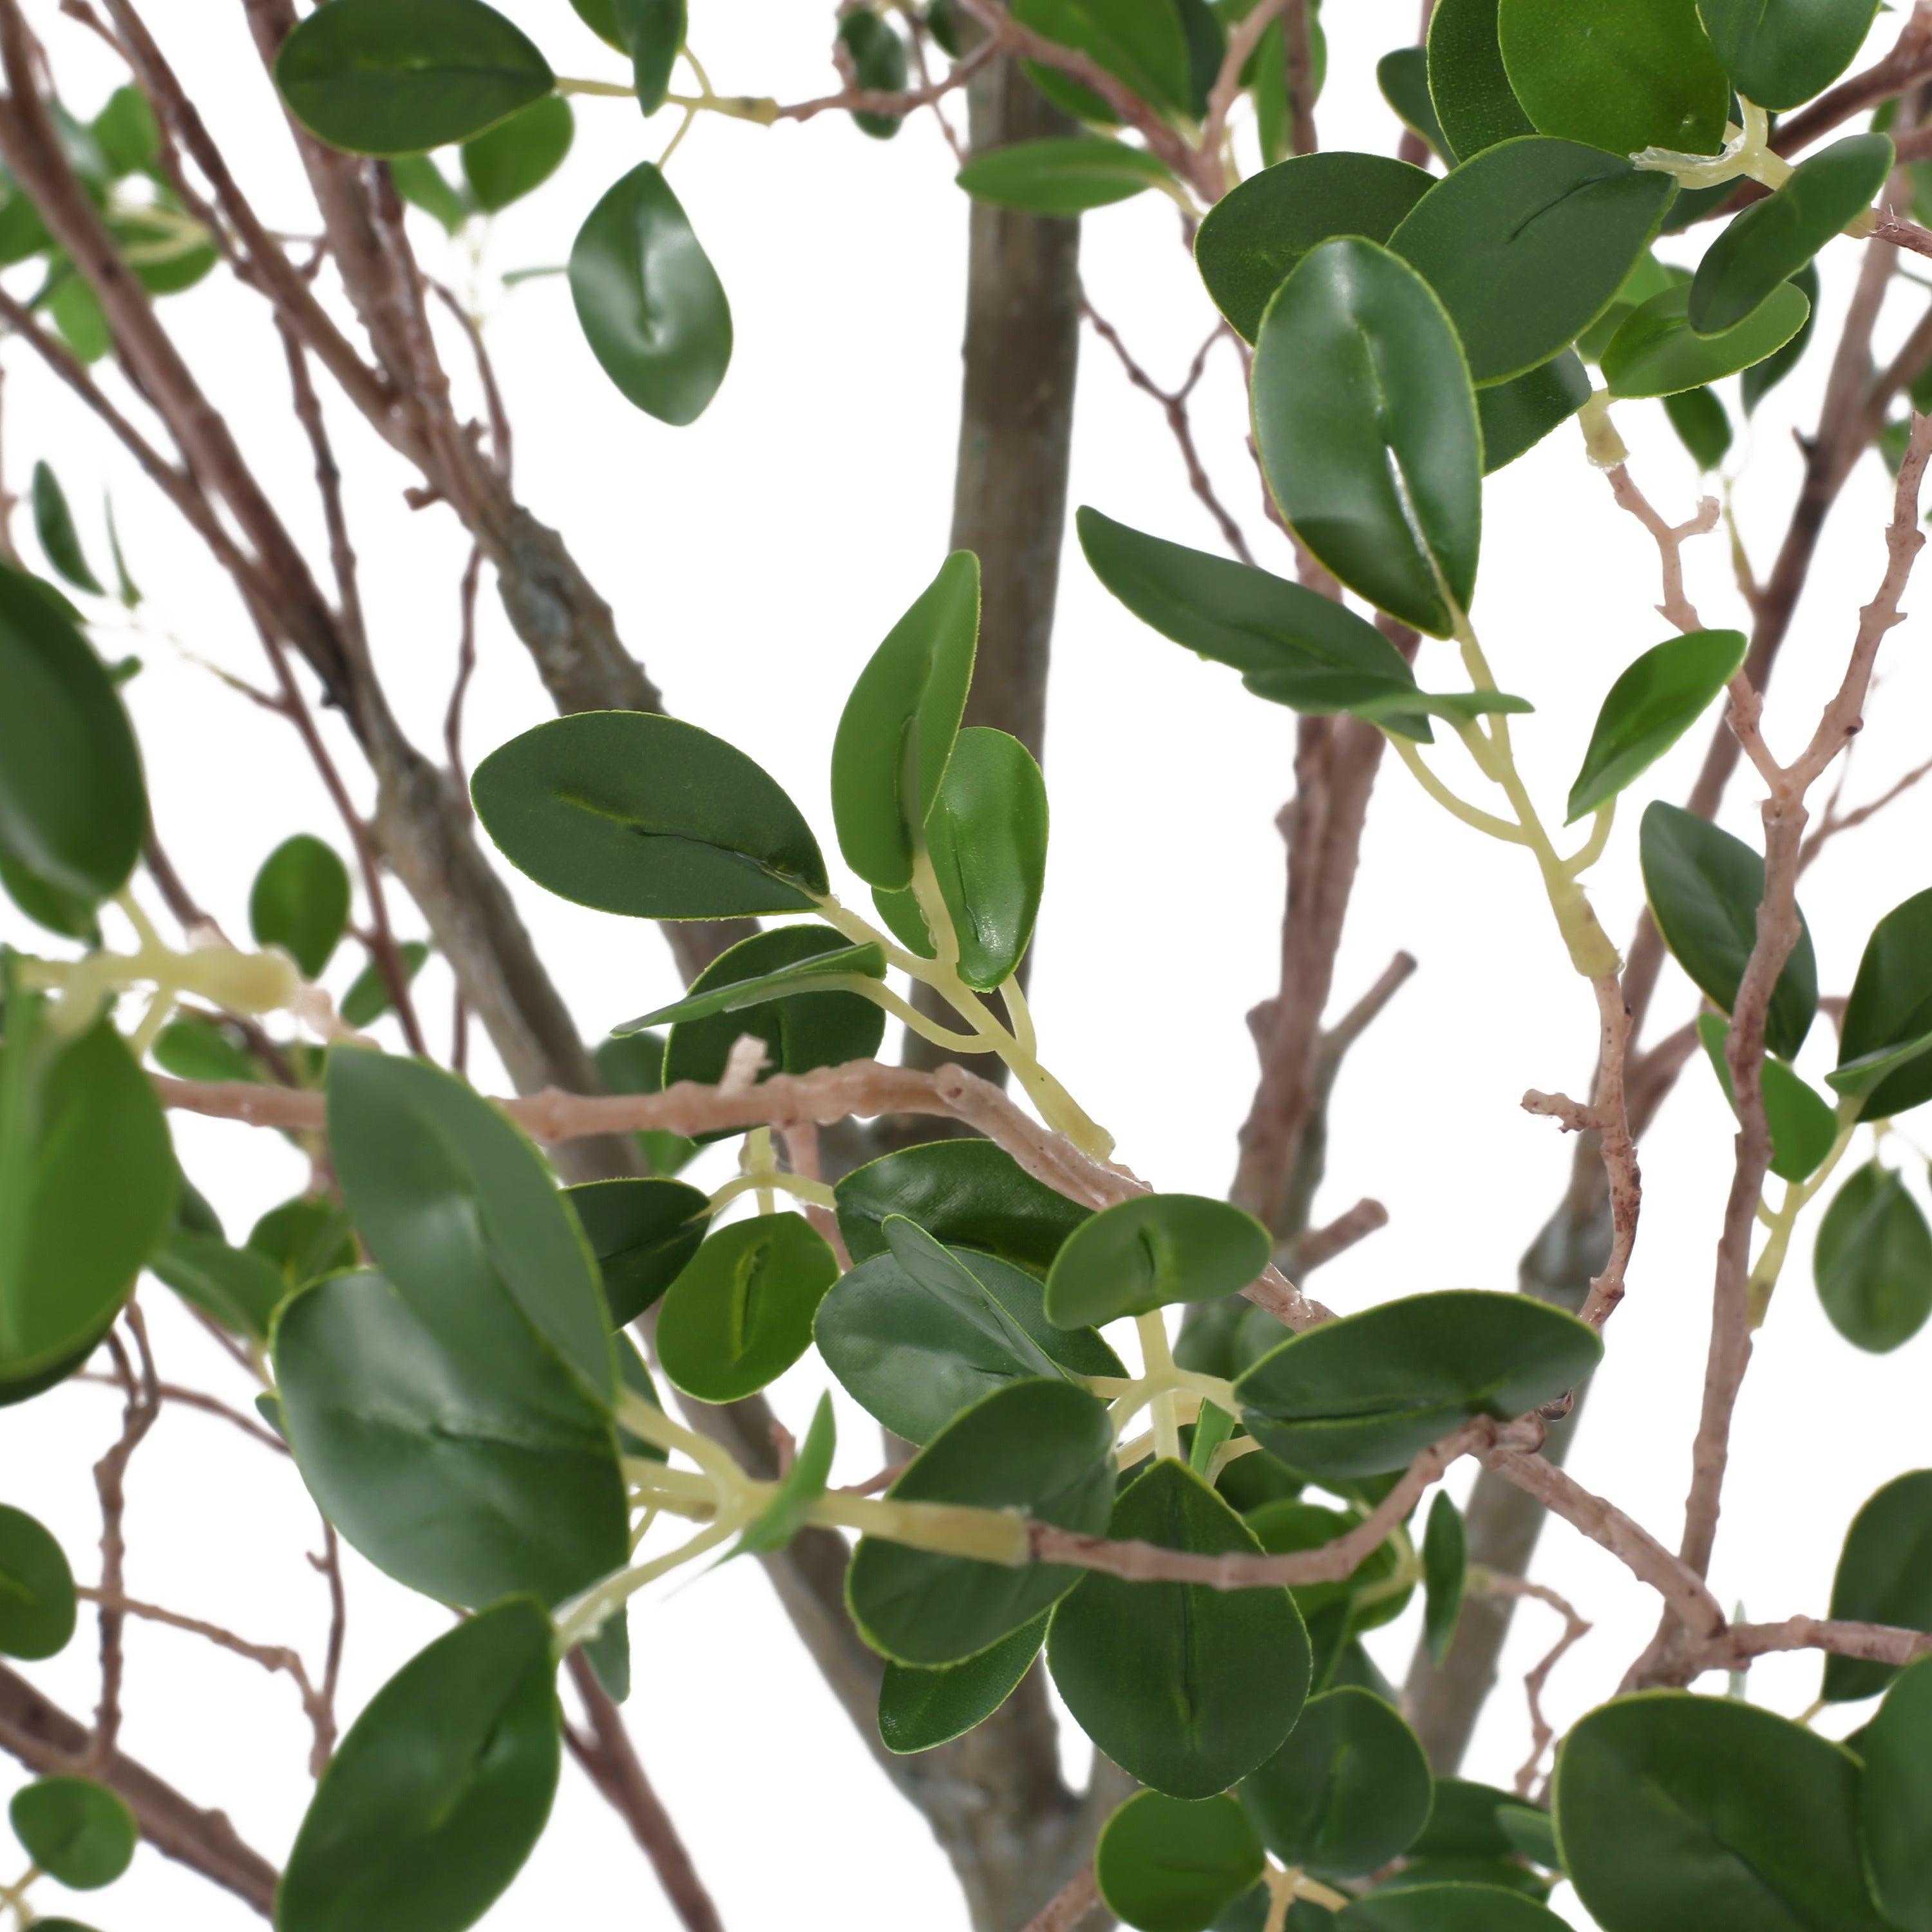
[1368,1392]
[643,1233]
[1517,415]
[1174,1864]
[300,902]
[652,31]
[1884,1577]
[1895,1800]
[1890,1005]
[1467,79]
[1063,176]
[1145,1253]
[520,154]
[75,1830]
[1656,352]
[1186,1688]
[1873,1261]
[630,813]
[1803,1124]
[920,1708]
[1780,53]
[37,1600]
[740,1314]
[1366,424]
[440,1789]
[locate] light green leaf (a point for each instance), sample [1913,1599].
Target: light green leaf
[75,1830]
[1063,176]
[1171,1864]
[801,1485]
[300,902]
[1155,1249]
[1873,1261]
[1802,1123]
[37,1608]
[1656,352]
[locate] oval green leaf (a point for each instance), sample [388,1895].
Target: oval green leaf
[1895,1800]
[1655,352]
[920,1708]
[75,1830]
[1402,75]
[634,1064]
[1804,1126]
[1175,1865]
[1884,1577]
[368,997]
[303,1239]
[878,58]
[1517,415]
[1288,1526]
[519,154]
[1780,53]
[1451,1907]
[1762,377]
[1062,177]
[1154,1250]
[1468,82]
[36,1600]
[300,902]
[240,1289]
[1141,42]
[652,32]
[643,1233]
[1873,1261]
[1445,1572]
[800,1486]
[1702,426]
[1890,1005]
[53,524]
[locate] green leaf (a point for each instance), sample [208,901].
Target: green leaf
[921,1708]
[1884,1577]
[1677,1813]
[1705,888]
[1346,1793]
[464,1467]
[986,836]
[1286,1527]
[1620,74]
[440,1789]
[241,1289]
[372,77]
[896,733]
[1780,53]
[1062,176]
[76,314]
[1702,426]
[1650,706]
[966,1193]
[918,1334]
[1402,75]
[1445,1570]
[303,1239]
[1804,1128]
[1891,1006]
[300,902]
[63,913]
[1290,643]
[1369,1392]
[634,1064]
[1873,1261]
[1213,1427]
[458,1210]
[73,1113]
[1366,424]
[627,812]
[126,133]
[1448,1908]
[1252,238]
[53,524]
[1467,82]
[609,1655]
[73,810]
[367,998]
[652,32]
[643,1233]
[1533,1832]
[801,1485]
[1141,42]
[1762,377]
[1773,238]
[1043,1448]
[1186,1688]
[1517,415]
[740,1314]
[1464,1824]
[423,185]
[878,65]
[77,1831]
[1656,352]
[194,1049]
[1173,1864]
[517,155]
[601,17]
[37,1600]
[1155,1249]
[1527,245]
[1649,277]
[650,303]
[1895,1800]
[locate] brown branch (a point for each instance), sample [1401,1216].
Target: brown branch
[1833,823]
[1319,1246]
[1676,608]
[195,1398]
[1069,1906]
[1878,1643]
[142,1405]
[1542,1732]
[905,101]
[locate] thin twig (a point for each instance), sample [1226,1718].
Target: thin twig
[1676,608]
[197,1399]
[1068,1905]
[1542,1732]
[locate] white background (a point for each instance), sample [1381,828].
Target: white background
[753,561]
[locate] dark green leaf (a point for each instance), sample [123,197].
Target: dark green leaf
[73,812]
[1702,426]
[367,998]
[126,133]
[634,1064]
[1650,706]
[1803,1125]
[920,1708]
[1884,1577]
[1762,377]
[64,913]
[1185,1688]
[1895,1800]
[1044,1448]
[1533,1832]
[1656,352]
[1467,82]
[75,1830]
[1145,1253]
[375,78]
[740,1314]
[458,1210]
[1253,237]
[1780,52]
[651,305]
[439,1790]
[304,1239]
[1062,176]
[1528,243]
[919,1334]
[1873,1262]
[1369,1392]
[801,1485]
[37,1600]
[1288,1526]
[53,524]
[1463,1824]
[1173,1864]
[1448,1908]
[1346,1793]
[1890,1005]
[632,813]
[1677,1813]
[241,1289]
[966,1193]
[609,1653]
[1067,95]
[194,1049]
[1517,415]
[636,1379]
[601,17]
[1403,77]
[300,902]
[1445,1569]
[423,185]
[1773,238]
[73,1113]
[1620,74]
[1705,888]
[518,154]
[644,1233]
[464,1467]
[897,730]
[1366,424]
[1141,42]
[878,65]
[652,31]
